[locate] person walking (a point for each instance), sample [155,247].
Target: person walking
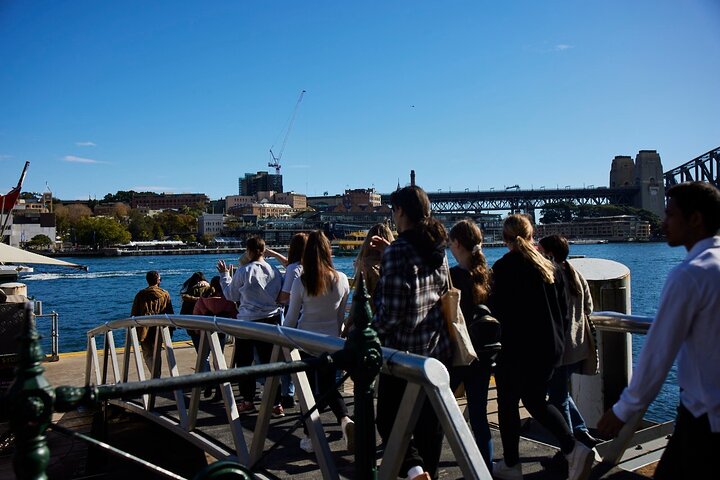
[408,317]
[686,327]
[152,300]
[317,304]
[527,300]
[255,285]
[577,347]
[472,278]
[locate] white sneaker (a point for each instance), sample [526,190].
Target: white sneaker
[580,461]
[306,444]
[348,431]
[502,472]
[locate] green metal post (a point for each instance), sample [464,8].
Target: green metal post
[362,357]
[30,405]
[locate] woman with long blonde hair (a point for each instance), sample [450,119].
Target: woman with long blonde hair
[527,298]
[317,304]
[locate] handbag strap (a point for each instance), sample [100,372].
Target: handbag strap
[447,266]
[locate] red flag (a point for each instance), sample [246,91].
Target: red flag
[8,201]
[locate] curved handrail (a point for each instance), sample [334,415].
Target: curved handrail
[425,376]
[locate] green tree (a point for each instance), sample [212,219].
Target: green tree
[558,212]
[140,226]
[39,241]
[101,232]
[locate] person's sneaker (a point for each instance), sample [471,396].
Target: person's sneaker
[306,444]
[246,407]
[278,411]
[348,432]
[584,437]
[502,472]
[579,462]
[287,401]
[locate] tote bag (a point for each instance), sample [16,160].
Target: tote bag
[463,351]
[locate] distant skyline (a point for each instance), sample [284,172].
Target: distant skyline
[184,97]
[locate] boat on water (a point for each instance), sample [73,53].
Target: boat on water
[587,241]
[349,246]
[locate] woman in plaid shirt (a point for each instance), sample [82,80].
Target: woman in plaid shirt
[408,317]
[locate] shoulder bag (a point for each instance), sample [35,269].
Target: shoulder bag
[463,351]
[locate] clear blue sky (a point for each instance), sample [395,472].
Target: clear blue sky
[188,96]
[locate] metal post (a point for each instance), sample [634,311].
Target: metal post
[362,357]
[30,405]
[609,284]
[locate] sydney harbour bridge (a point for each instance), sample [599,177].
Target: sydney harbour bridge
[705,168]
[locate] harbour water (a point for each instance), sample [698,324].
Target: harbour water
[85,299]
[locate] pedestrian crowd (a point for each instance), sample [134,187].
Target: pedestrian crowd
[540,301]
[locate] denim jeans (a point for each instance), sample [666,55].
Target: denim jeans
[476,378]
[559,395]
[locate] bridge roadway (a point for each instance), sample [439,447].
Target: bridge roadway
[134,434]
[523,200]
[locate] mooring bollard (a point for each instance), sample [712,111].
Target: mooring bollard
[362,357]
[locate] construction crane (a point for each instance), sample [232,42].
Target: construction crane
[276,159]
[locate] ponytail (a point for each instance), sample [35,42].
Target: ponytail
[518,232]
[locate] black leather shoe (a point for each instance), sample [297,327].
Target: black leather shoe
[584,437]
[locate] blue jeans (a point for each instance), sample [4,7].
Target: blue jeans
[559,395]
[476,378]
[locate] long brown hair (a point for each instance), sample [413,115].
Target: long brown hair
[318,271]
[468,234]
[297,247]
[518,233]
[559,248]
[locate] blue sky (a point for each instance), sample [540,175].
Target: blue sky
[188,96]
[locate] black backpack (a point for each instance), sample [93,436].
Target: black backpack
[484,331]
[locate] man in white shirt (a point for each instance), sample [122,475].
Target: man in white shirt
[687,326]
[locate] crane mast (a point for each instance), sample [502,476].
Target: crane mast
[276,159]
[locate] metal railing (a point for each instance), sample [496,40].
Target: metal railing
[427,379]
[33,401]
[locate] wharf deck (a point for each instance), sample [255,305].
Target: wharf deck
[72,458]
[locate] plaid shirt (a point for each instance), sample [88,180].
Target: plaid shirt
[408,316]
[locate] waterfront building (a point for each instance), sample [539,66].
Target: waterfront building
[252,183]
[235,203]
[265,209]
[165,201]
[298,201]
[27,219]
[211,224]
[621,228]
[325,203]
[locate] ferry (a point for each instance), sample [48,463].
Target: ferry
[349,246]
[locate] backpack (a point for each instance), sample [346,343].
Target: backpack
[484,331]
